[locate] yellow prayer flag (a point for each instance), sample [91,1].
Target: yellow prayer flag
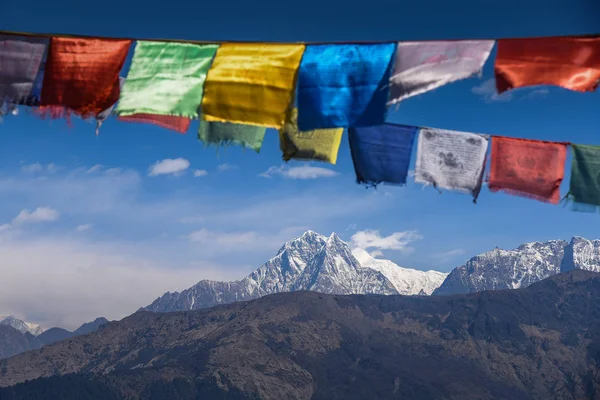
[251,83]
[320,144]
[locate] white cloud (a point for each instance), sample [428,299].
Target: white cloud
[200,172]
[449,255]
[43,278]
[536,93]
[225,167]
[244,240]
[191,220]
[371,239]
[487,90]
[83,227]
[169,166]
[32,168]
[233,239]
[37,167]
[40,214]
[377,253]
[300,172]
[95,168]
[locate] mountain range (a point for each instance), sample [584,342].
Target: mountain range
[328,265]
[528,263]
[538,342]
[309,262]
[15,339]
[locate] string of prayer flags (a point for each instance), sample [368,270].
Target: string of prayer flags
[82,75]
[226,133]
[381,153]
[318,144]
[424,66]
[251,83]
[20,62]
[527,168]
[584,190]
[171,122]
[569,62]
[344,85]
[166,79]
[451,160]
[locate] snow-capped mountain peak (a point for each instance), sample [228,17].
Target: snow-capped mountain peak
[520,267]
[406,280]
[309,262]
[20,325]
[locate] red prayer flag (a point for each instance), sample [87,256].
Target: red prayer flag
[82,75]
[172,122]
[569,62]
[528,168]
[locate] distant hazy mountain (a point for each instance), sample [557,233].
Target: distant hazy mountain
[20,325]
[527,264]
[539,342]
[310,262]
[14,341]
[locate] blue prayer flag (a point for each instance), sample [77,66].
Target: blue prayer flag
[382,153]
[343,85]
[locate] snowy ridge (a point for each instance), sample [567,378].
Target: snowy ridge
[406,281]
[21,326]
[309,262]
[520,267]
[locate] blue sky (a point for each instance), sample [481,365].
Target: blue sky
[109,236]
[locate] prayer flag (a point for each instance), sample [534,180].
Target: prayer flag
[166,79]
[172,122]
[584,189]
[82,75]
[381,153]
[528,168]
[251,83]
[20,62]
[424,66]
[342,85]
[569,62]
[319,144]
[451,160]
[225,133]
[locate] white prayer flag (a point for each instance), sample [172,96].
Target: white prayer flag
[424,66]
[451,160]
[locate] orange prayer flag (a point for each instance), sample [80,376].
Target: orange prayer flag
[82,75]
[172,122]
[527,168]
[569,62]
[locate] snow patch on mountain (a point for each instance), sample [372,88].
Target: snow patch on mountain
[407,281]
[523,266]
[21,326]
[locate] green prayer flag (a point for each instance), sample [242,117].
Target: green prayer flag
[224,133]
[166,79]
[585,177]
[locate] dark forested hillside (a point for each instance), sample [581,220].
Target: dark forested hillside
[541,342]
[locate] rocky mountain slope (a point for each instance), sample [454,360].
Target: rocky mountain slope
[310,262]
[14,341]
[539,342]
[529,263]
